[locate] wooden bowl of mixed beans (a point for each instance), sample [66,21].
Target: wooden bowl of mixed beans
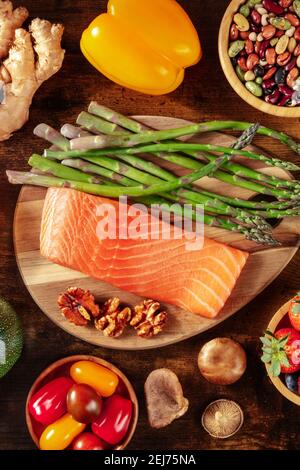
[259,49]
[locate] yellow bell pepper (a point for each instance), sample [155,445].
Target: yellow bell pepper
[143,45]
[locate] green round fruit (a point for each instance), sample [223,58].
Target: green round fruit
[11,337]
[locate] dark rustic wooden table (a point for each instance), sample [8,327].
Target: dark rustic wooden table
[270,421]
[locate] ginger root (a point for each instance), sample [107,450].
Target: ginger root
[33,57]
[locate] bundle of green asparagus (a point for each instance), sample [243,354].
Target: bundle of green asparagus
[102,156]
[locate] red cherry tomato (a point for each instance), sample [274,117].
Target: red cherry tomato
[88,441]
[83,403]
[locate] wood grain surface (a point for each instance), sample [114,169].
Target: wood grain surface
[46,280]
[271,421]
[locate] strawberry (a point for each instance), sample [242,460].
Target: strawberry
[281,351]
[294,312]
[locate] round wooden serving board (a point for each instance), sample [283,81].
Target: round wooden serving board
[45,281]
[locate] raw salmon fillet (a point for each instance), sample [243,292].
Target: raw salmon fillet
[199,281]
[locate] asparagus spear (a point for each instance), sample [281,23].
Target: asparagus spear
[187,196]
[98,125]
[209,126]
[137,191]
[117,118]
[136,162]
[71,132]
[156,148]
[51,135]
[251,204]
[236,168]
[188,163]
[17,177]
[48,166]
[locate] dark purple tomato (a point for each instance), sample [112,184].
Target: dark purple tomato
[84,404]
[88,441]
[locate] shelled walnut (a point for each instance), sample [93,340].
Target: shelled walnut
[113,319]
[78,306]
[148,319]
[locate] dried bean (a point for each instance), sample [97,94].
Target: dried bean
[262,11]
[259,80]
[280,23]
[252,3]
[296,5]
[234,32]
[285,3]
[270,73]
[284,58]
[285,90]
[269,84]
[290,65]
[280,76]
[259,71]
[292,76]
[290,32]
[274,41]
[252,36]
[244,34]
[269,5]
[242,63]
[254,88]
[240,73]
[245,10]
[282,44]
[249,46]
[297,34]
[263,48]
[284,100]
[279,33]
[265,19]
[297,50]
[255,28]
[271,55]
[268,31]
[292,19]
[249,76]
[257,47]
[298,62]
[241,22]
[292,44]
[255,16]
[252,61]
[274,97]
[235,47]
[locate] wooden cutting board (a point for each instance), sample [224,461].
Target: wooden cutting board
[45,281]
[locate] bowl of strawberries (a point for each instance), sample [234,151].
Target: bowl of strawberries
[281,350]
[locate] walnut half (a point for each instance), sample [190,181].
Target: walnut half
[113,319]
[78,306]
[148,319]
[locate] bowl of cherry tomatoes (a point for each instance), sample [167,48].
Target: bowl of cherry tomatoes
[82,403]
[281,350]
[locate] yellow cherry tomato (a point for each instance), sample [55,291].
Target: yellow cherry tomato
[60,434]
[142,45]
[101,379]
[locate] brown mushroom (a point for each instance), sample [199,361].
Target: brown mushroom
[222,361]
[164,396]
[222,418]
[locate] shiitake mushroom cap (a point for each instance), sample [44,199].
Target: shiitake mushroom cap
[222,361]
[222,418]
